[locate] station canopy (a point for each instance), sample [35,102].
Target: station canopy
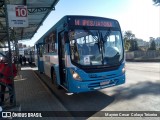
[38,10]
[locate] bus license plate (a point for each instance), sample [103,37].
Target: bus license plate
[105,82]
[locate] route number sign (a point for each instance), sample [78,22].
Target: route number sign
[17,15]
[21,12]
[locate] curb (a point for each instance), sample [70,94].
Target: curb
[70,117]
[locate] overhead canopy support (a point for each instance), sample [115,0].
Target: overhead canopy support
[38,10]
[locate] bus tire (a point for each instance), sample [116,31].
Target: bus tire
[54,79]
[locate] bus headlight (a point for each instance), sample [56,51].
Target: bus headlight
[75,75]
[123,70]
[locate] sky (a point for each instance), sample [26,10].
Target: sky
[139,16]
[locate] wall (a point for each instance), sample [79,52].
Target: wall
[143,55]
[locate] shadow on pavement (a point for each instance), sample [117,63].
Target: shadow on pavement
[137,89]
[79,105]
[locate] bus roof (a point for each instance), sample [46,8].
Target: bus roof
[80,20]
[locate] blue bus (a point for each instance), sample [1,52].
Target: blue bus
[82,53]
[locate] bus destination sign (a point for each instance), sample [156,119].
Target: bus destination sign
[97,23]
[92,21]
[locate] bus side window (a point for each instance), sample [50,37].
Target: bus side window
[46,48]
[47,45]
[52,42]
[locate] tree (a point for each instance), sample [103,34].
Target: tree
[136,45]
[126,44]
[156,2]
[129,35]
[152,46]
[130,41]
[133,45]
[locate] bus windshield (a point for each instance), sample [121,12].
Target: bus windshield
[96,47]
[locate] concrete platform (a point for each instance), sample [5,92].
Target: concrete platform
[32,95]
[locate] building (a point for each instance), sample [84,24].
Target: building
[144,45]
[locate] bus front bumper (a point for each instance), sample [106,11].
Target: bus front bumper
[85,86]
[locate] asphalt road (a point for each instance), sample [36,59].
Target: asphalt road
[141,92]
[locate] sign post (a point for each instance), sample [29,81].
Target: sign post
[16,16]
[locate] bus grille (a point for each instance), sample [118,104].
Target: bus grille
[97,84]
[102,77]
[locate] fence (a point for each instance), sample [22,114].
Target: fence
[143,55]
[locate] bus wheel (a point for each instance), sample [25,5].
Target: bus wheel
[54,80]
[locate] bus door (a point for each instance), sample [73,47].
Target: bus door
[40,58]
[62,60]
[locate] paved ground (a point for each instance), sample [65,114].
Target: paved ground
[141,92]
[32,95]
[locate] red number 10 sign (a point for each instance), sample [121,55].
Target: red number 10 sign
[21,12]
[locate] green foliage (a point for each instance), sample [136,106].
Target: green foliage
[152,46]
[130,41]
[156,2]
[133,45]
[126,44]
[129,35]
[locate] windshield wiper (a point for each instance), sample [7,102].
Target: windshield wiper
[106,35]
[96,39]
[85,28]
[104,39]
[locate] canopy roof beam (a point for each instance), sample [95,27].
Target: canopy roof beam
[39,9]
